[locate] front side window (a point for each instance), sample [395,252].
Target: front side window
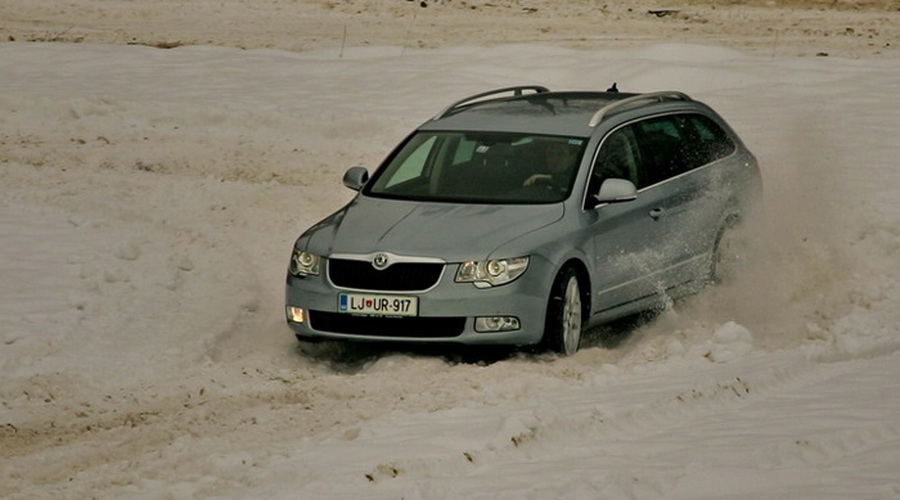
[480,167]
[661,142]
[618,158]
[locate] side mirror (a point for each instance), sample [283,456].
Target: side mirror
[616,191]
[356,177]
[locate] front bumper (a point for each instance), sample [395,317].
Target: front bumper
[447,312]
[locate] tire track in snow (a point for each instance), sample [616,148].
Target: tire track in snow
[130,301]
[516,436]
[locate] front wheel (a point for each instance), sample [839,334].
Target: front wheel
[562,331]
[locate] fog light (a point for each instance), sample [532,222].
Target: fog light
[295,314]
[496,324]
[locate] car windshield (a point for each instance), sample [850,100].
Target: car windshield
[480,167]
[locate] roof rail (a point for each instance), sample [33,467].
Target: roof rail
[516,91]
[630,101]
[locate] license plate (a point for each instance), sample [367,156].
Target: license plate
[378,305]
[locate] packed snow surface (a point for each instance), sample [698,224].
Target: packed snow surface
[150,199]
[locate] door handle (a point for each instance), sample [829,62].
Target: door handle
[656,213]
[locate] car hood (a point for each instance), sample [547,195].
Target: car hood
[453,232]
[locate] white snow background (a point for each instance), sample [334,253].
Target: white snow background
[149,202]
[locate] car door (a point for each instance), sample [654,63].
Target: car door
[644,248]
[679,190]
[623,236]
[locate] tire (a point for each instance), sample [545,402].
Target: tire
[565,322]
[726,256]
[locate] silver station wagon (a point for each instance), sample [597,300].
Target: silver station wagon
[521,217]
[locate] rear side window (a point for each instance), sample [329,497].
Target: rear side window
[673,144]
[709,142]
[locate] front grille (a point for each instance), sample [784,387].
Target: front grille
[376,326]
[399,277]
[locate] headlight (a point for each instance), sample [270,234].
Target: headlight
[485,273]
[304,264]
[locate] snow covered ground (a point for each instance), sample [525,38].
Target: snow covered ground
[149,202]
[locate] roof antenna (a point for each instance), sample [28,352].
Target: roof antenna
[614,88]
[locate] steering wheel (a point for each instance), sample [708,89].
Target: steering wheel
[545,183]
